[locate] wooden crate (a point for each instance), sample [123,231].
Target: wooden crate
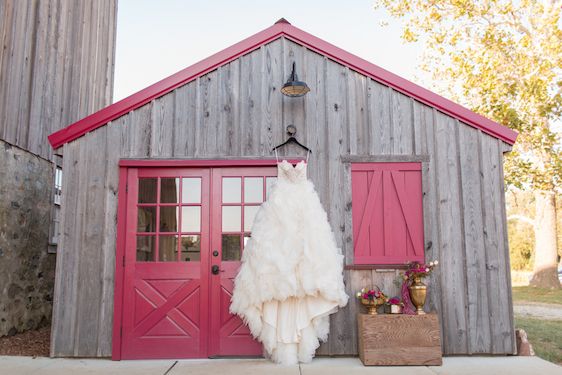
[398,340]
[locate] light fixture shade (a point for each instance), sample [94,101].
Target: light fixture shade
[294,87]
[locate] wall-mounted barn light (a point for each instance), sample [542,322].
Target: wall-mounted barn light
[294,87]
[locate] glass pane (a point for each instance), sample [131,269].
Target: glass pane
[146,219]
[190,248]
[231,189]
[269,184]
[191,190]
[147,190]
[249,214]
[231,218]
[169,219]
[145,248]
[168,249]
[230,247]
[191,219]
[253,189]
[169,190]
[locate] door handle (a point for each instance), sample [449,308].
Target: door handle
[215,269]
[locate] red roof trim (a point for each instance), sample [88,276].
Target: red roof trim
[299,36]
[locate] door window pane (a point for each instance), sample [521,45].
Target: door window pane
[269,184]
[190,248]
[230,247]
[191,219]
[191,190]
[168,219]
[168,249]
[147,190]
[253,189]
[249,215]
[145,248]
[231,190]
[231,218]
[169,190]
[146,219]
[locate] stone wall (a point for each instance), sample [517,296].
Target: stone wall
[26,268]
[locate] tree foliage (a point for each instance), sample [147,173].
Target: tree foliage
[503,59]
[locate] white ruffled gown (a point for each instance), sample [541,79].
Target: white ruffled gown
[291,276]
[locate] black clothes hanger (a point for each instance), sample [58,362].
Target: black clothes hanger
[292,130]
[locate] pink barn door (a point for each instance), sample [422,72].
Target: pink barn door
[185,232]
[387,213]
[237,195]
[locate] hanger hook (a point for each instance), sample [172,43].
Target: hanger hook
[291,130]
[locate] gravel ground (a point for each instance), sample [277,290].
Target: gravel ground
[538,310]
[30,343]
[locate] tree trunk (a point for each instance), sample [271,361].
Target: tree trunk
[545,273]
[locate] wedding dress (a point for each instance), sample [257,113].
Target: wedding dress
[290,279]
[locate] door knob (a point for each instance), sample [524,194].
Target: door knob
[215,270]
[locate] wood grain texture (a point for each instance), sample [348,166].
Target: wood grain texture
[399,340]
[345,118]
[477,281]
[454,293]
[56,66]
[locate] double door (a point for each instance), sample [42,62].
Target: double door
[186,229]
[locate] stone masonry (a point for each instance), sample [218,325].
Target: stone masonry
[26,268]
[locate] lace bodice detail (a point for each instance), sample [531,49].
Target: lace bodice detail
[286,171]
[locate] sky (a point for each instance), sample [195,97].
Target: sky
[156,38]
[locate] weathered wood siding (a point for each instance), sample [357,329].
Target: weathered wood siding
[238,111]
[56,66]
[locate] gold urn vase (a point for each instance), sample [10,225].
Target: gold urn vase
[418,292]
[372,305]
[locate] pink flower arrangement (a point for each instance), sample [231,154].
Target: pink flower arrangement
[372,294]
[395,301]
[417,269]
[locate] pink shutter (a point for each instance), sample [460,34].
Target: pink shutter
[387,213]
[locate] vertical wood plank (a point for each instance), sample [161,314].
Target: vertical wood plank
[402,124]
[380,118]
[64,296]
[475,268]
[163,130]
[431,212]
[108,249]
[358,133]
[208,102]
[185,120]
[272,106]
[90,264]
[342,339]
[449,221]
[494,239]
[141,131]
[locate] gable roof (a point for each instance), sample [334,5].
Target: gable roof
[279,29]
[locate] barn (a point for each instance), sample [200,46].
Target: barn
[160,189]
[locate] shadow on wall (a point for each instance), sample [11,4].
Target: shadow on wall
[27,270]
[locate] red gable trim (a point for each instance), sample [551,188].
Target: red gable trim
[299,36]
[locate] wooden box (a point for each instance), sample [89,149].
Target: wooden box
[399,340]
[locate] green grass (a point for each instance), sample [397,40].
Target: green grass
[545,336]
[530,294]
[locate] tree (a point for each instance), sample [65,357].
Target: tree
[503,59]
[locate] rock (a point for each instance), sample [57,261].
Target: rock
[524,347]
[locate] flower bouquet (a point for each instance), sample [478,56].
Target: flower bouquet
[414,291]
[395,305]
[372,298]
